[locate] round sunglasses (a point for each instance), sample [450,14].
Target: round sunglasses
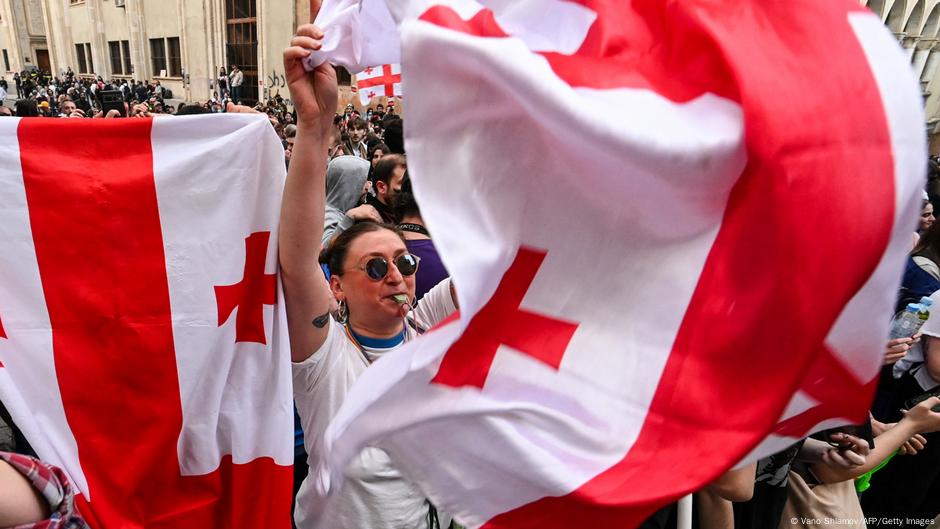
[377,267]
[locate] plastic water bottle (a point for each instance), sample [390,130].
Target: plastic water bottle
[906,323]
[924,313]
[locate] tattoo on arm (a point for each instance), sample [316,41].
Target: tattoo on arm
[320,321]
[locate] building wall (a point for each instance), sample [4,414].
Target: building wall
[8,40]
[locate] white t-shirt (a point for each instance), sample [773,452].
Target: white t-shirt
[374,494]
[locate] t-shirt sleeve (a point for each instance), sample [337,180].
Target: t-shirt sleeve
[436,305]
[308,372]
[932,326]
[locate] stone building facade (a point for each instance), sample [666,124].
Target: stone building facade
[181,43]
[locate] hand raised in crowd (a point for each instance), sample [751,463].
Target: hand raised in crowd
[910,447]
[111,114]
[923,417]
[851,453]
[897,349]
[364,212]
[141,110]
[314,95]
[77,113]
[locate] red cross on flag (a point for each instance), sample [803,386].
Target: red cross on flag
[647,228]
[144,349]
[382,80]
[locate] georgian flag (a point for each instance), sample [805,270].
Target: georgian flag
[378,81]
[143,344]
[675,241]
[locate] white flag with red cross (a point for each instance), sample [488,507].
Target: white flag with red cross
[144,348]
[648,229]
[379,81]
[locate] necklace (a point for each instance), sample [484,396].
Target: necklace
[414,228]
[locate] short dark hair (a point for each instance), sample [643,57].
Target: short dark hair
[26,108]
[334,255]
[356,123]
[405,204]
[394,136]
[190,110]
[385,167]
[379,146]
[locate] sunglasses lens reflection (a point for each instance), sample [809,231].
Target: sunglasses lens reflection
[377,268]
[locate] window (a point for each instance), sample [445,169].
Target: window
[73,2]
[126,51]
[173,57]
[236,9]
[91,61]
[241,43]
[114,48]
[6,61]
[80,57]
[158,57]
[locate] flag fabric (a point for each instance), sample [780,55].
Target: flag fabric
[356,35]
[144,348]
[378,81]
[675,246]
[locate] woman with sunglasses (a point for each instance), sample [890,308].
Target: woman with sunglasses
[372,278]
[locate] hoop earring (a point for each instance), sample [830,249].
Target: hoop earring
[342,313]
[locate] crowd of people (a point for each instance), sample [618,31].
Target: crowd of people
[362,277]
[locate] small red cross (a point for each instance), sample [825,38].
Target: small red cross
[251,294]
[502,321]
[368,71]
[386,79]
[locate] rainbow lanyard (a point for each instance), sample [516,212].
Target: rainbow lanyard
[352,338]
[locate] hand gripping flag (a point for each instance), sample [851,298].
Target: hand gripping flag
[144,348]
[676,230]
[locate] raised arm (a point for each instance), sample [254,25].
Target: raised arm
[306,292]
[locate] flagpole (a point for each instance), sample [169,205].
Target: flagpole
[685,513]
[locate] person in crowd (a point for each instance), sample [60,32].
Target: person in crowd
[372,278]
[910,486]
[336,147]
[222,83]
[418,240]
[394,135]
[36,495]
[236,79]
[26,108]
[376,152]
[5,111]
[356,145]
[387,177]
[345,182]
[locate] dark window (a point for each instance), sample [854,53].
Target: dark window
[114,49]
[91,60]
[342,76]
[235,9]
[241,43]
[6,61]
[126,54]
[173,57]
[158,57]
[80,57]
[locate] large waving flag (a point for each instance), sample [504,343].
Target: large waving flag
[675,240]
[144,348]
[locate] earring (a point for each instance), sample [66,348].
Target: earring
[342,313]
